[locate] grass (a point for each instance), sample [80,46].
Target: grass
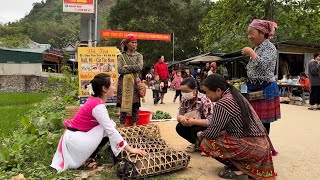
[13,106]
[18,99]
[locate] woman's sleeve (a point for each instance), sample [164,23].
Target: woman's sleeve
[207,109]
[182,109]
[265,58]
[220,118]
[116,140]
[121,70]
[138,66]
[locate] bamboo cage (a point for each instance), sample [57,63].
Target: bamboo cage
[160,159]
[136,167]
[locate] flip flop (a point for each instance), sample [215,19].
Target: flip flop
[229,174]
[191,148]
[312,108]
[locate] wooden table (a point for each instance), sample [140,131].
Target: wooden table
[290,88]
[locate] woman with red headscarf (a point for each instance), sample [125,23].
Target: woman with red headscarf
[263,91]
[130,64]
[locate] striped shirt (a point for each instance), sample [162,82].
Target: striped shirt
[227,117]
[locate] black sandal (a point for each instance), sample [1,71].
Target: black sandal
[229,174]
[89,164]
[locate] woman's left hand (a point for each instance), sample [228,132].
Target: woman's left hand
[248,51]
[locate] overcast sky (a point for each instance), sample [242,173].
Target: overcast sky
[13,10]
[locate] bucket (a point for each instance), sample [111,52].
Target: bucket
[143,118]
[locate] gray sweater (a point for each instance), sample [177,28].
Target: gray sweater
[314,72]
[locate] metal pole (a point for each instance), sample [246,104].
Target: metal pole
[172,47]
[277,67]
[96,24]
[90,33]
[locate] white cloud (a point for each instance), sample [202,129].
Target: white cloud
[13,10]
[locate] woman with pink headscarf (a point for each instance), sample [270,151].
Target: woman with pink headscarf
[263,91]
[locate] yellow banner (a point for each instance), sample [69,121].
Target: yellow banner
[93,61]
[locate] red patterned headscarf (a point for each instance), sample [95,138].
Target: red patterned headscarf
[267,27]
[129,38]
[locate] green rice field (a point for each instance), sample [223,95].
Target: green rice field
[13,106]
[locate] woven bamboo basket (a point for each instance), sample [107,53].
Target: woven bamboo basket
[155,163]
[146,131]
[71,111]
[149,148]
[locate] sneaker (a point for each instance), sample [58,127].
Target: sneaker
[174,100]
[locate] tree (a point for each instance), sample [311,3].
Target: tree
[225,26]
[180,17]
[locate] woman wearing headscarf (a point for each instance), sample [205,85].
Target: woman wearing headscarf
[263,92]
[235,135]
[130,64]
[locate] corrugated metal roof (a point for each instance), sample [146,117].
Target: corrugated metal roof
[298,43]
[31,50]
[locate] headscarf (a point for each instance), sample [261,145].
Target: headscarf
[126,40]
[214,65]
[267,27]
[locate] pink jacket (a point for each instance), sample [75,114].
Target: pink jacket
[176,83]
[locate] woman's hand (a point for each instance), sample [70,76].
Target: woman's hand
[183,120]
[199,135]
[191,122]
[138,151]
[248,51]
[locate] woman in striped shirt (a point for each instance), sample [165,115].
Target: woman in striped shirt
[235,135]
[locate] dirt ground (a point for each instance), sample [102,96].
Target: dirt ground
[295,136]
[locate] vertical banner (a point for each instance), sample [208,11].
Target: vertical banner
[93,61]
[78,6]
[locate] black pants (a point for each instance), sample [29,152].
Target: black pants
[156,96]
[315,95]
[178,93]
[189,133]
[267,126]
[102,143]
[135,112]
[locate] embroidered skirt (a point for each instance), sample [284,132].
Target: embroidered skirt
[268,109]
[251,155]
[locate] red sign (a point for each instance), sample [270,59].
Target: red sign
[51,58]
[78,6]
[139,35]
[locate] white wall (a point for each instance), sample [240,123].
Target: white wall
[21,69]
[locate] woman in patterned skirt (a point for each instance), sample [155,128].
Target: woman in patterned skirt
[235,135]
[260,71]
[130,64]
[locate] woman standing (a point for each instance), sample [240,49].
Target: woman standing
[130,64]
[235,135]
[262,86]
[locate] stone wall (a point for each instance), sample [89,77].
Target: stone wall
[23,83]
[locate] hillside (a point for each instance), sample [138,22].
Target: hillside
[46,23]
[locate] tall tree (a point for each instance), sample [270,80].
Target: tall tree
[180,17]
[225,26]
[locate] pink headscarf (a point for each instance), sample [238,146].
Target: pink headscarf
[267,27]
[129,38]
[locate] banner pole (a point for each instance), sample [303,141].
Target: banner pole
[172,47]
[96,24]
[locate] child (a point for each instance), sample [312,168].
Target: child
[156,89]
[149,78]
[176,85]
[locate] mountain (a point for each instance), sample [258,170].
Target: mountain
[46,23]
